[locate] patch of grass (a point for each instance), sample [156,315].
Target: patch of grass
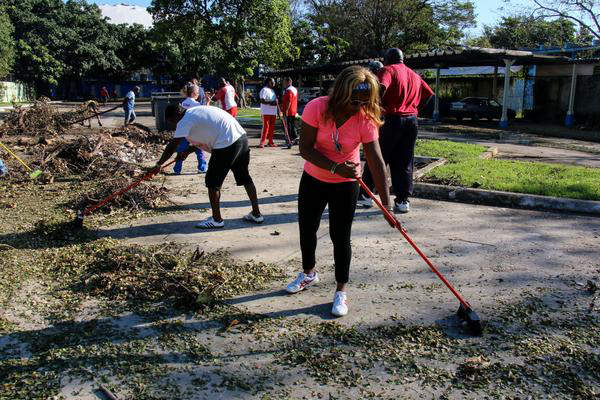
[522,177]
[465,169]
[249,113]
[452,151]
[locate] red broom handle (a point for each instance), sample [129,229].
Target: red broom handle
[148,175]
[391,217]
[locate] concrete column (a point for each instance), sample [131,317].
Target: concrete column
[436,104]
[495,83]
[504,119]
[570,118]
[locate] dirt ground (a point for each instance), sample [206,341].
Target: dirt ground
[530,275]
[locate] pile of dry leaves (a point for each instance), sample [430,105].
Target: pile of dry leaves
[139,273]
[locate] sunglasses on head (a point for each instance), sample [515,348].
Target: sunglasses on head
[359,102]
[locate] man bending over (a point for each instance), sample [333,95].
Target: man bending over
[216,131]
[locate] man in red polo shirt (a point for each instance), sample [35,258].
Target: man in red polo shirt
[404,94]
[290,108]
[226,95]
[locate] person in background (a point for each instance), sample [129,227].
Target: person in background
[91,107]
[290,108]
[218,132]
[268,111]
[201,94]
[129,105]
[333,129]
[226,95]
[375,66]
[192,92]
[404,93]
[104,95]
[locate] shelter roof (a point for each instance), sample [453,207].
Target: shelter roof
[468,57]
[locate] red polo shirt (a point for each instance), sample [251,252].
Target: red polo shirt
[290,97]
[404,90]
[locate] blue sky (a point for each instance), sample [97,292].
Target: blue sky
[487,10]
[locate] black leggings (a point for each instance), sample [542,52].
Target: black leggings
[313,196]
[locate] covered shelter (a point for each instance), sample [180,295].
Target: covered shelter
[467,57]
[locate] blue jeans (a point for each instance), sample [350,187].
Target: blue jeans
[129,115]
[183,145]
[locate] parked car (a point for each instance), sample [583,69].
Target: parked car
[477,108]
[307,94]
[427,110]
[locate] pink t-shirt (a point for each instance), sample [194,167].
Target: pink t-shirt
[356,130]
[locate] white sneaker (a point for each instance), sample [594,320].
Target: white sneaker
[364,201]
[340,308]
[402,207]
[302,282]
[210,223]
[252,218]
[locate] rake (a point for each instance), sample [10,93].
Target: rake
[32,174]
[465,311]
[78,222]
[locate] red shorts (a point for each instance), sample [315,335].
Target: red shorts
[233,111]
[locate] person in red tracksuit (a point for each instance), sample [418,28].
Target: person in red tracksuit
[290,108]
[268,111]
[226,94]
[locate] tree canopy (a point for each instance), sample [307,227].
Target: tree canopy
[7,48]
[223,36]
[526,31]
[585,13]
[371,26]
[56,39]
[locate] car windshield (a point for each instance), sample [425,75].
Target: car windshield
[494,103]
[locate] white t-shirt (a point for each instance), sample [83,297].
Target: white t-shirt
[267,94]
[209,128]
[230,97]
[130,96]
[189,103]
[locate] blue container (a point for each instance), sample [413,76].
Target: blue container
[3,169]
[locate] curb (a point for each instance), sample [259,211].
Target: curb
[436,162]
[489,154]
[504,199]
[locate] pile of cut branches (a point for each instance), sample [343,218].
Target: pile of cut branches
[145,196]
[96,156]
[41,119]
[141,134]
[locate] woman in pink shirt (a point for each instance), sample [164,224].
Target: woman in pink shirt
[333,128]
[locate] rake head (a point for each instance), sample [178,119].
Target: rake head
[35,174]
[471,319]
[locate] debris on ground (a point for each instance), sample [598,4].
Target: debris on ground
[141,134]
[40,119]
[142,197]
[94,156]
[137,273]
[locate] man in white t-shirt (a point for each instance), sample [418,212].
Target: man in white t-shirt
[226,95]
[268,111]
[215,131]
